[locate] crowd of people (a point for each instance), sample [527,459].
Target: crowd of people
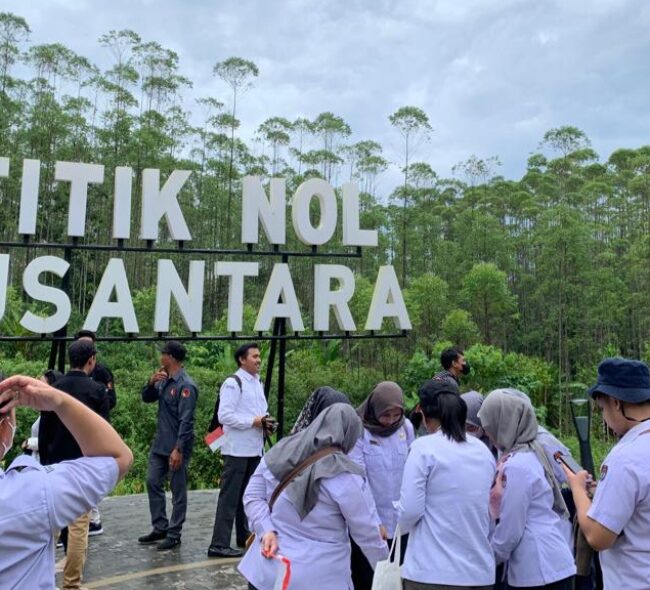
[470,488]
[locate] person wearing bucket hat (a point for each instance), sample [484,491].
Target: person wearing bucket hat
[176,394]
[617,522]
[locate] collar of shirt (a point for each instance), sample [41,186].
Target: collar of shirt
[636,431]
[76,373]
[178,377]
[246,375]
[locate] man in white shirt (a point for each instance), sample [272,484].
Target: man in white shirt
[242,409]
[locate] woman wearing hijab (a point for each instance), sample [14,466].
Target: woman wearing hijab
[321,398]
[526,501]
[444,499]
[311,518]
[473,426]
[381,452]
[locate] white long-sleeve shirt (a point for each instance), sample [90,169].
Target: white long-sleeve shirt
[444,507]
[237,410]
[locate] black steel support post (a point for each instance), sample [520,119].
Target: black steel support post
[268,379]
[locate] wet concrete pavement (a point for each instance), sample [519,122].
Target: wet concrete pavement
[117,561]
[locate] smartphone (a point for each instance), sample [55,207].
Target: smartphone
[569,461]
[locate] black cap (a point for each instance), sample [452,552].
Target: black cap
[623,379]
[175,349]
[432,387]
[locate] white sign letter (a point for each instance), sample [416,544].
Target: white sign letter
[79,175]
[256,207]
[38,324]
[29,197]
[307,234]
[279,301]
[324,297]
[157,202]
[353,235]
[4,282]
[190,302]
[114,278]
[387,302]
[122,203]
[236,271]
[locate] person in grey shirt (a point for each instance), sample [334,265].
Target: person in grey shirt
[171,450]
[36,500]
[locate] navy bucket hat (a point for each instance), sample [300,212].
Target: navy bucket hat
[623,379]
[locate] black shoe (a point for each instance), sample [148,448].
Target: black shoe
[168,543]
[214,551]
[94,529]
[152,537]
[241,544]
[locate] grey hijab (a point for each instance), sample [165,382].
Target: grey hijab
[474,401]
[321,398]
[509,418]
[338,425]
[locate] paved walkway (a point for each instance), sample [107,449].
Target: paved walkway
[116,560]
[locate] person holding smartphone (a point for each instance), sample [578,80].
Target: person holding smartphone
[617,522]
[526,502]
[36,500]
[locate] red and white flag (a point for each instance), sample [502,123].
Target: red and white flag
[215,439]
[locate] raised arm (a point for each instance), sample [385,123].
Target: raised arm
[95,436]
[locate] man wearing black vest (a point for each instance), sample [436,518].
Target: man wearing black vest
[56,444]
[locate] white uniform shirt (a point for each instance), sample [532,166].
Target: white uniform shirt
[530,535]
[237,410]
[318,546]
[35,502]
[383,459]
[622,504]
[444,506]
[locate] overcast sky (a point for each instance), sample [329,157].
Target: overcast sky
[492,75]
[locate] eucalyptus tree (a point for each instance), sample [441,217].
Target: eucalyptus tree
[275,131]
[14,30]
[238,73]
[330,128]
[413,125]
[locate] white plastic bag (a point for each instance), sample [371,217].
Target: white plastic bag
[387,573]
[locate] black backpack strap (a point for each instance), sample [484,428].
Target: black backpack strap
[214,423]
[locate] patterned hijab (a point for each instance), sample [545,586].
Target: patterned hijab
[339,426]
[509,418]
[321,398]
[387,395]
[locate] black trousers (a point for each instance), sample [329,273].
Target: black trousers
[566,584]
[230,508]
[158,472]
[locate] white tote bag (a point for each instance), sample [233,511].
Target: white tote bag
[387,573]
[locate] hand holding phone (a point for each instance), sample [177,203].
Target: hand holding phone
[569,461]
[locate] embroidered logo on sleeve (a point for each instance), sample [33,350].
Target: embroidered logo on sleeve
[185,392]
[603,472]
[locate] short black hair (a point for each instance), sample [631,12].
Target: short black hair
[80,352]
[242,351]
[86,334]
[440,402]
[449,355]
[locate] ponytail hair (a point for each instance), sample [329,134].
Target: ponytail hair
[450,410]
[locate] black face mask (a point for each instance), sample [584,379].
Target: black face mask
[466,368]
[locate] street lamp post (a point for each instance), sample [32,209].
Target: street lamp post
[581,413]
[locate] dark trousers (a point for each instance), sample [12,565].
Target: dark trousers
[362,572]
[230,507]
[158,471]
[566,584]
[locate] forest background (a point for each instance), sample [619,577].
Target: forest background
[537,278]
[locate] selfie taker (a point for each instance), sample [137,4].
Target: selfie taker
[70,489]
[617,522]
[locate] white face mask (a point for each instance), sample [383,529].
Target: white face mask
[7,444]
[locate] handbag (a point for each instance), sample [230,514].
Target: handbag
[388,574]
[295,472]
